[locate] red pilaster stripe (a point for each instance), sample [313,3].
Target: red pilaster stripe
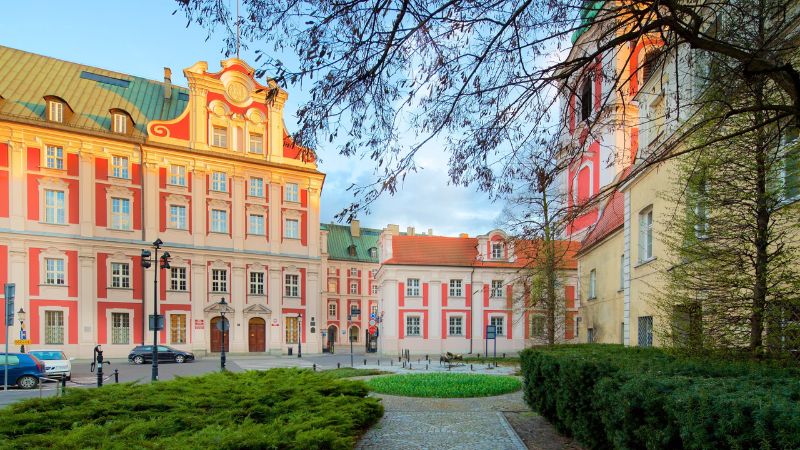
[401,295]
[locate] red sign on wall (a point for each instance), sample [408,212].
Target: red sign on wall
[199,324]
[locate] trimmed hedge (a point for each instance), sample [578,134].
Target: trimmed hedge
[274,409]
[609,396]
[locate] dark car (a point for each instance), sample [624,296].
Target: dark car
[24,370]
[144,353]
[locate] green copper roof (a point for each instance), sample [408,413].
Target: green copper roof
[26,78]
[588,12]
[340,240]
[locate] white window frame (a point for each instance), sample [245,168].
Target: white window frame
[646,234]
[120,335]
[622,272]
[257,285]
[182,325]
[219,136]
[55,111]
[177,175]
[52,328]
[219,221]
[497,250]
[331,310]
[257,149]
[55,209]
[291,285]
[499,323]
[592,284]
[178,279]
[354,287]
[291,192]
[256,226]
[219,281]
[120,213]
[219,181]
[353,272]
[497,289]
[54,157]
[413,326]
[256,187]
[456,288]
[412,287]
[120,123]
[120,275]
[291,229]
[54,273]
[455,326]
[374,289]
[120,167]
[177,217]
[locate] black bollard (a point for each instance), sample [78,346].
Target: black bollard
[314,367]
[365,361]
[338,365]
[391,362]
[479,356]
[116,376]
[63,385]
[504,355]
[426,358]
[470,368]
[379,363]
[426,367]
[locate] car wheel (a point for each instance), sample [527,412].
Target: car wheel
[138,359]
[180,359]
[27,381]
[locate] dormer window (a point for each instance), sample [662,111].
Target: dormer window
[497,250]
[351,250]
[373,252]
[586,99]
[120,123]
[55,111]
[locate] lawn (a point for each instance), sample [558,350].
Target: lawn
[279,408]
[444,385]
[350,372]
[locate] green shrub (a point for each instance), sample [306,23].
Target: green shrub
[444,385]
[279,408]
[608,396]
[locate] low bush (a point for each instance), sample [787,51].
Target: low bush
[279,408]
[444,385]
[614,397]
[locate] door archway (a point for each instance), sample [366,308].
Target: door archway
[216,335]
[332,332]
[354,333]
[257,334]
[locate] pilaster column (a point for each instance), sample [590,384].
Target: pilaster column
[237,300]
[87,300]
[199,206]
[199,289]
[275,214]
[274,302]
[86,189]
[17,181]
[150,201]
[238,211]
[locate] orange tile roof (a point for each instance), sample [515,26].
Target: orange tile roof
[463,252]
[612,218]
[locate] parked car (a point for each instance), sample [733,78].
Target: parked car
[56,363]
[24,369]
[144,353]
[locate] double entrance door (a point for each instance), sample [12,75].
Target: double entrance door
[256,335]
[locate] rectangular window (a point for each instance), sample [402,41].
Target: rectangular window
[177,175]
[256,187]
[177,328]
[120,214]
[291,286]
[219,182]
[374,289]
[353,272]
[622,272]
[537,326]
[56,111]
[54,207]
[498,322]
[54,327]
[257,224]
[646,331]
[177,279]
[54,271]
[256,143]
[412,287]
[119,167]
[497,289]
[54,157]
[374,310]
[120,275]
[590,335]
[497,250]
[291,192]
[219,221]
[646,234]
[120,123]
[456,326]
[455,288]
[177,217]
[354,310]
[219,280]
[332,310]
[292,330]
[219,137]
[592,284]
[120,328]
[354,288]
[257,283]
[291,229]
[412,326]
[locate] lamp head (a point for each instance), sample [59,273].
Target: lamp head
[21,315]
[158,242]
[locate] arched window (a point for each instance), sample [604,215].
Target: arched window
[58,110]
[121,122]
[586,99]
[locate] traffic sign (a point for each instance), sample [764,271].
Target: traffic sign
[23,334]
[372,322]
[373,330]
[22,342]
[372,316]
[9,291]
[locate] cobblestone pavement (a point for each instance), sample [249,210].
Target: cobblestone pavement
[429,423]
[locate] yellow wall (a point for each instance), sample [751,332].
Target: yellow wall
[604,314]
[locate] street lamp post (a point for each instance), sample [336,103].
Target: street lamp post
[222,306]
[21,314]
[299,335]
[157,324]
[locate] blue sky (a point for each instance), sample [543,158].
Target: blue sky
[142,37]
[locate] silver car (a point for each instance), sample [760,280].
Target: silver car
[56,363]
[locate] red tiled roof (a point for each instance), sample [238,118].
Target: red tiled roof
[612,219]
[463,252]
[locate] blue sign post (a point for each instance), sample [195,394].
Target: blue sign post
[491,333]
[9,290]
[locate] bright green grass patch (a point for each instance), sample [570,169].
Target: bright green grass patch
[349,372]
[279,408]
[444,385]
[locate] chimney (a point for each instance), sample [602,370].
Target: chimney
[355,228]
[410,231]
[393,229]
[430,231]
[167,83]
[463,235]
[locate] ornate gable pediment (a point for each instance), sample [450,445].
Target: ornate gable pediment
[216,308]
[257,309]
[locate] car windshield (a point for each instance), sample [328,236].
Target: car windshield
[49,356]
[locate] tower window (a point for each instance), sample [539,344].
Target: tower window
[586,99]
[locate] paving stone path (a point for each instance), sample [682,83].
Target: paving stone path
[429,423]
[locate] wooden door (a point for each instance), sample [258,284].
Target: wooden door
[257,328]
[216,336]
